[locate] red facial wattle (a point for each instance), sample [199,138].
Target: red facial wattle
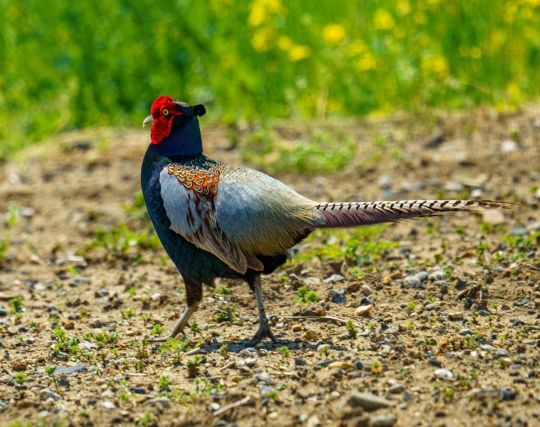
[163,110]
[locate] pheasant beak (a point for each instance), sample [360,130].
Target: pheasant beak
[147,121]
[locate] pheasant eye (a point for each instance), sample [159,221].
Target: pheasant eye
[165,112]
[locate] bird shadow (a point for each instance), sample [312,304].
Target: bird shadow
[238,346]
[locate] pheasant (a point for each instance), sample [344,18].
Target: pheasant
[221,221]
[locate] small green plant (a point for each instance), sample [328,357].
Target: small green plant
[50,370]
[164,383]
[175,348]
[146,420]
[304,296]
[13,215]
[411,306]
[157,329]
[351,330]
[285,352]
[193,364]
[225,313]
[4,246]
[20,377]
[376,366]
[324,349]
[64,343]
[16,304]
[223,290]
[128,314]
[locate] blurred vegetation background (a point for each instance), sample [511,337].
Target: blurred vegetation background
[67,65]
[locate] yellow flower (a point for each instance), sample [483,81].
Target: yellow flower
[334,33]
[261,11]
[403,7]
[298,52]
[366,62]
[261,39]
[284,42]
[383,20]
[437,65]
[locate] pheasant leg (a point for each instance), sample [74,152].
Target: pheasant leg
[180,325]
[264,326]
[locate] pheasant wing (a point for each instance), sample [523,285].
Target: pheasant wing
[188,200]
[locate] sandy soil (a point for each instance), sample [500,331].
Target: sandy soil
[447,318]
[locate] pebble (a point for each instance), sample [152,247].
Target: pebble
[396,389]
[3,311]
[137,390]
[443,374]
[263,377]
[416,279]
[364,310]
[509,146]
[108,404]
[494,217]
[337,296]
[213,406]
[437,275]
[368,401]
[456,315]
[366,290]
[67,370]
[521,303]
[382,420]
[248,351]
[164,402]
[334,278]
[310,335]
[249,361]
[348,366]
[300,361]
[49,394]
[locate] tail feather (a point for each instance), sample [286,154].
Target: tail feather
[364,213]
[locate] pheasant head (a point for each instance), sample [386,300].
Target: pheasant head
[166,114]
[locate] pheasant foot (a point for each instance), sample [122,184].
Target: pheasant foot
[180,325]
[264,330]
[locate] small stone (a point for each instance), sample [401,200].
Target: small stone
[382,420]
[348,366]
[249,361]
[300,361]
[368,401]
[248,351]
[437,275]
[313,421]
[334,278]
[108,404]
[493,216]
[49,394]
[213,406]
[162,402]
[67,370]
[363,310]
[366,290]
[443,374]
[337,296]
[521,303]
[310,335]
[456,315]
[137,390]
[3,311]
[509,146]
[508,394]
[396,389]
[100,293]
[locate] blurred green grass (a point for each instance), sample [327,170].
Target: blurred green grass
[68,65]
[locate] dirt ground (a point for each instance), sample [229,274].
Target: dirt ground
[446,318]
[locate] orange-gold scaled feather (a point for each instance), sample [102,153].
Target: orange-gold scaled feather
[203,183]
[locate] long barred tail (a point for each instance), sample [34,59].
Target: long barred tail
[364,213]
